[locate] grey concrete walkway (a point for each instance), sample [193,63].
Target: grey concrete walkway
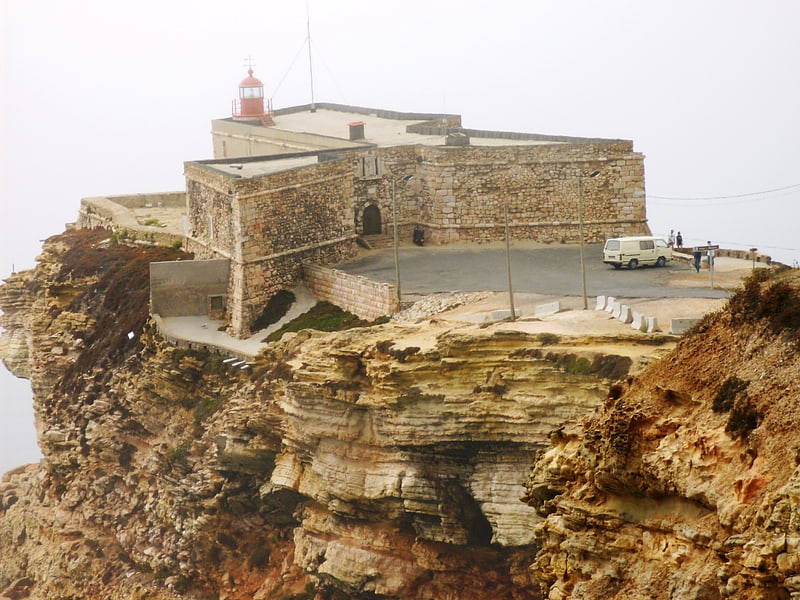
[202,331]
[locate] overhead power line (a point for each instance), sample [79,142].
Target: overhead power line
[788,187]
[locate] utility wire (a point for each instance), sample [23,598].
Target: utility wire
[697,202]
[788,187]
[294,60]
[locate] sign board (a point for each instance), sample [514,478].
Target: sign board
[704,248]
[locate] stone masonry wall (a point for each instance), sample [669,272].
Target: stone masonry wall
[459,193]
[269,226]
[465,191]
[358,295]
[114,213]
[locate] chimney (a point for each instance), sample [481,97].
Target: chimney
[356,130]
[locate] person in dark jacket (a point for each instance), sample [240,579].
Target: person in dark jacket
[698,256]
[419,235]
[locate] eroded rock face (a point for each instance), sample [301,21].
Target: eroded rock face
[685,485]
[378,462]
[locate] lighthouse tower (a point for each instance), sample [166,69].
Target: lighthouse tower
[249,106]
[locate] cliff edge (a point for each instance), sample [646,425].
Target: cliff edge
[378,462]
[685,483]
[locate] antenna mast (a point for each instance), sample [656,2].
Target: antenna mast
[310,65]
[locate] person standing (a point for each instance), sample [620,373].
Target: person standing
[671,238]
[679,240]
[710,256]
[697,258]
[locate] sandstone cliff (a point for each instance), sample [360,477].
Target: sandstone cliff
[685,485]
[380,462]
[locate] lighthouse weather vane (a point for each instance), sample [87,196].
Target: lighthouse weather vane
[249,63]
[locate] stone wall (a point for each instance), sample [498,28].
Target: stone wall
[115,213]
[465,192]
[268,227]
[182,288]
[460,193]
[358,295]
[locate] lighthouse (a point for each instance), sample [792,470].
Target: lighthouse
[249,106]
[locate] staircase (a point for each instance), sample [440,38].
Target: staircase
[377,241]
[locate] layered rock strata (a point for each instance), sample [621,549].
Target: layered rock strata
[686,484]
[382,462]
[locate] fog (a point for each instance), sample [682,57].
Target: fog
[111,97]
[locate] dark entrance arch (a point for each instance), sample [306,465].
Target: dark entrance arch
[372,220]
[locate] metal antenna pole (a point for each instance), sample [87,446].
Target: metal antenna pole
[310,64]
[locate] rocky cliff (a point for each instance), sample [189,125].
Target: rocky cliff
[685,485]
[379,462]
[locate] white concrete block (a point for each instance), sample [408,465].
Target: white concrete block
[639,322]
[625,313]
[652,324]
[549,308]
[601,303]
[610,303]
[505,313]
[681,325]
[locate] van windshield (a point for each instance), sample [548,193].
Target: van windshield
[612,245]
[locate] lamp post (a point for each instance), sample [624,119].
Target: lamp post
[508,265]
[580,234]
[405,177]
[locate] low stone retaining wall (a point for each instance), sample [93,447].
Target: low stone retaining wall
[356,294]
[115,213]
[686,255]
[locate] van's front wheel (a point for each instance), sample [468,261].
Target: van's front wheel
[661,261]
[633,263]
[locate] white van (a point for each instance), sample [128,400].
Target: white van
[636,251]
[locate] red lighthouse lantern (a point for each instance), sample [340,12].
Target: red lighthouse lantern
[249,106]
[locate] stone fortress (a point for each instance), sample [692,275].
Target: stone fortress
[291,189]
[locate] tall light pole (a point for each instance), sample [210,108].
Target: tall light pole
[580,234]
[394,219]
[508,265]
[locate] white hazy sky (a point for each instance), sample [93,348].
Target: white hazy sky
[110,97]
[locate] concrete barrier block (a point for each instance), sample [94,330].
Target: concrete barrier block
[610,303]
[625,314]
[639,322]
[502,314]
[549,308]
[601,303]
[615,310]
[652,324]
[681,325]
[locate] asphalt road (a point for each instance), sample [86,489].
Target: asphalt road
[550,270]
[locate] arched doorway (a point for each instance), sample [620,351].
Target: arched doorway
[372,220]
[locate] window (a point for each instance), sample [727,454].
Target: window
[216,303]
[251,92]
[646,245]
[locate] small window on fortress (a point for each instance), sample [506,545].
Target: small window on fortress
[216,302]
[370,167]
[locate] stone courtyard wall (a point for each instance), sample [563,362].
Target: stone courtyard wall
[115,213]
[460,193]
[356,294]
